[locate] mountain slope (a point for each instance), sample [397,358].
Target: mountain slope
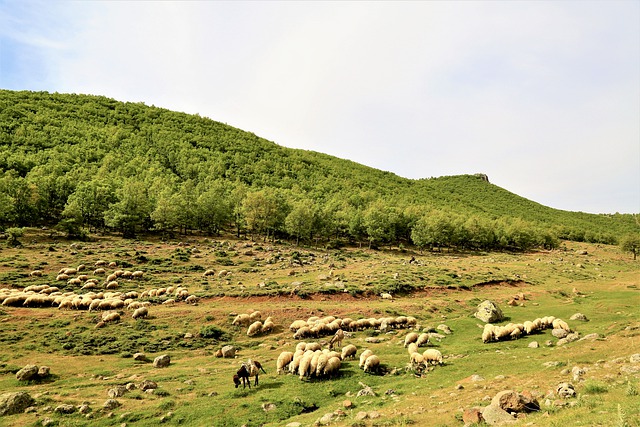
[53,144]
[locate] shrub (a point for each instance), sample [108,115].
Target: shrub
[213,332]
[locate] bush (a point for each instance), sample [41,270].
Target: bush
[213,332]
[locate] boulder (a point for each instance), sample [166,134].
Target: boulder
[508,400]
[117,391]
[579,316]
[495,416]
[533,344]
[162,361]
[147,385]
[140,357]
[559,333]
[44,371]
[110,405]
[574,336]
[29,372]
[65,409]
[489,312]
[228,351]
[472,416]
[634,358]
[15,402]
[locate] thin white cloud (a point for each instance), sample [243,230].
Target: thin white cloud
[542,96]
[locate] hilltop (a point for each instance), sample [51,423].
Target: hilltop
[87,163]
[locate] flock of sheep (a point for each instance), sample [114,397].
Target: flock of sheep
[419,361]
[315,327]
[493,332]
[254,323]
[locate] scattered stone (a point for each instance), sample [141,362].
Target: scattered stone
[44,371]
[130,386]
[476,377]
[347,404]
[489,312]
[162,361]
[266,407]
[110,405]
[472,416]
[565,371]
[494,415]
[140,357]
[327,419]
[188,336]
[47,422]
[548,343]
[444,328]
[565,390]
[559,333]
[590,337]
[366,391]
[28,373]
[84,409]
[579,316]
[117,391]
[533,344]
[148,385]
[15,402]
[634,358]
[508,400]
[569,338]
[361,416]
[65,409]
[578,372]
[228,351]
[374,414]
[459,387]
[630,369]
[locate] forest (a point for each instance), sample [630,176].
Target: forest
[81,164]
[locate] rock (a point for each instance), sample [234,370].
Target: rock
[559,333]
[634,358]
[148,385]
[374,414]
[327,419]
[531,404]
[444,328]
[472,416]
[533,344]
[266,407]
[489,312]
[508,400]
[15,402]
[361,416]
[579,316]
[84,409]
[131,386]
[630,369]
[228,351]
[569,338]
[117,391]
[110,405]
[476,377]
[294,424]
[65,409]
[590,337]
[494,416]
[44,371]
[188,336]
[140,357]
[565,390]
[48,422]
[162,361]
[347,404]
[28,373]
[218,353]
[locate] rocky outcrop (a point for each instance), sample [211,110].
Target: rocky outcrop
[489,312]
[15,403]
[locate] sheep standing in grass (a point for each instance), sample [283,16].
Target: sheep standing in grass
[254,328]
[412,348]
[295,362]
[268,326]
[140,313]
[417,361]
[349,351]
[241,320]
[284,359]
[337,338]
[411,337]
[432,355]
[332,367]
[363,357]
[372,364]
[423,340]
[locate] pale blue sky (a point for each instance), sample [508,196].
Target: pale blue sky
[542,96]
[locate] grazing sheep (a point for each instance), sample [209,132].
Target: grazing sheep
[268,326]
[363,357]
[412,348]
[113,264]
[560,324]
[140,313]
[70,271]
[301,346]
[349,351]
[62,277]
[75,281]
[372,364]
[417,360]
[191,299]
[241,320]
[81,267]
[284,359]
[302,333]
[332,367]
[36,273]
[432,355]
[423,340]
[99,271]
[112,316]
[313,346]
[411,337]
[321,364]
[386,295]
[209,272]
[295,362]
[305,364]
[488,334]
[256,315]
[112,285]
[100,263]
[137,274]
[254,328]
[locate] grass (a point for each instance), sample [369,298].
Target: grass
[196,389]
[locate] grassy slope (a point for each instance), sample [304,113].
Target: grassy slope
[607,282]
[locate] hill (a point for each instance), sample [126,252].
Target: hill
[84,162]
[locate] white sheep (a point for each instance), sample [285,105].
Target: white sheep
[431,355]
[140,313]
[295,362]
[138,274]
[297,324]
[423,340]
[411,337]
[268,326]
[412,348]
[363,357]
[321,364]
[560,324]
[305,364]
[284,359]
[372,364]
[417,360]
[488,334]
[332,367]
[209,272]
[256,315]
[349,351]
[254,328]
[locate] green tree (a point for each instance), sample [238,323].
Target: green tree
[89,202]
[631,243]
[131,213]
[300,221]
[13,234]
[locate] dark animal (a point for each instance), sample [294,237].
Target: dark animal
[250,369]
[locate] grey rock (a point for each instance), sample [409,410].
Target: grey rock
[495,416]
[117,391]
[533,344]
[15,402]
[162,361]
[634,358]
[140,357]
[65,409]
[29,372]
[559,333]
[44,371]
[579,316]
[569,338]
[590,337]
[228,351]
[489,312]
[110,405]
[327,419]
[148,385]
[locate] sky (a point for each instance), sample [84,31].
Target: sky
[542,96]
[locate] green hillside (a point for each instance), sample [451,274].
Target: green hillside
[85,163]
